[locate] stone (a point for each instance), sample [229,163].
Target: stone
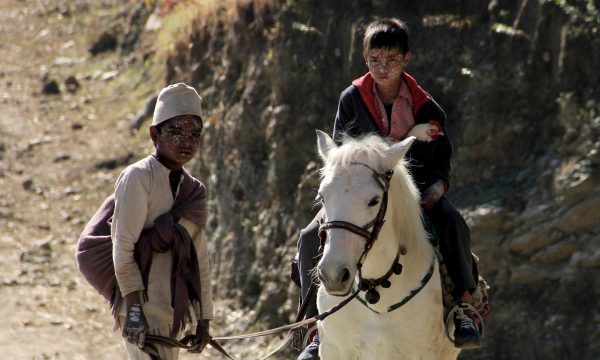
[106,42]
[50,87]
[556,253]
[72,84]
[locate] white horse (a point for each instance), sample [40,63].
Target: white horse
[358,191]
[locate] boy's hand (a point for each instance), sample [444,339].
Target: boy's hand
[136,326]
[201,338]
[433,194]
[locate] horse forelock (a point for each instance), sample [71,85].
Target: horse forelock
[368,149]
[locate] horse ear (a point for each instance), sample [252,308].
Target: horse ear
[397,151]
[325,143]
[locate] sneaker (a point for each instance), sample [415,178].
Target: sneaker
[311,352]
[466,332]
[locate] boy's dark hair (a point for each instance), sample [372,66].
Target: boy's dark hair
[387,33]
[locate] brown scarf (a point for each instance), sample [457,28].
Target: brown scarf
[94,250]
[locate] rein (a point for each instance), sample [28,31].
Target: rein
[183,343]
[169,342]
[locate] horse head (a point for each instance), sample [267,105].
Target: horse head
[356,178]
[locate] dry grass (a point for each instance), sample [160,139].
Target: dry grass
[185,16]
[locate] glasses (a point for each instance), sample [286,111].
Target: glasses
[390,63]
[179,135]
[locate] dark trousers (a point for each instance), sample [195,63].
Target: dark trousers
[308,257]
[455,246]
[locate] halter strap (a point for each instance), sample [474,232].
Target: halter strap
[383,180]
[370,236]
[368,285]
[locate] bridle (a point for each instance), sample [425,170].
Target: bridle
[368,285]
[383,180]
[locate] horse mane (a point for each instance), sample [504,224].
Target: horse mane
[354,149]
[404,204]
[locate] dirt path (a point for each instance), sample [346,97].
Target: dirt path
[49,145]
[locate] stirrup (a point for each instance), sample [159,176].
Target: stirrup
[298,339]
[310,334]
[450,317]
[303,337]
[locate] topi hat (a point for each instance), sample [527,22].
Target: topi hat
[174,100]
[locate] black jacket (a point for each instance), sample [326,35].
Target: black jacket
[356,116]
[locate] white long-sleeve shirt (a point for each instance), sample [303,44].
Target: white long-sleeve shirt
[143,193]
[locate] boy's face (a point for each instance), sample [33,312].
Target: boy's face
[386,64]
[178,140]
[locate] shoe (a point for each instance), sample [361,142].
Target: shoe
[311,352]
[466,332]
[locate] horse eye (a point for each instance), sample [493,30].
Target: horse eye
[374,201]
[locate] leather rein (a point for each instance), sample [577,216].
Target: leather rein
[183,343]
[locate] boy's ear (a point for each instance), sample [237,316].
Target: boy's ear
[154,134]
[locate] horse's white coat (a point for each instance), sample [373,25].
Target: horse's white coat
[413,331]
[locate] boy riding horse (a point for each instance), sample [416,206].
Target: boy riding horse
[389,102]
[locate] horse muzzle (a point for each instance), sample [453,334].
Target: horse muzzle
[337,280]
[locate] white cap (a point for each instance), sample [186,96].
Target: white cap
[174,100]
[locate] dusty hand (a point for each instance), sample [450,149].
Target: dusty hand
[201,338]
[136,326]
[433,194]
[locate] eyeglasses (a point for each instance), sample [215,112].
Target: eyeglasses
[182,128]
[179,135]
[390,63]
